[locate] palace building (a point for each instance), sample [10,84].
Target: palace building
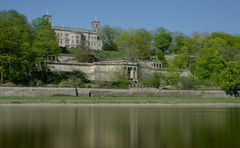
[75,37]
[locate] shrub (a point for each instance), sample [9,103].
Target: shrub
[153,80]
[84,56]
[189,82]
[121,81]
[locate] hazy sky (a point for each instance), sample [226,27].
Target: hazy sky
[175,15]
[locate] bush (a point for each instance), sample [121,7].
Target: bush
[152,80]
[35,83]
[121,81]
[60,78]
[71,82]
[121,84]
[190,82]
[84,56]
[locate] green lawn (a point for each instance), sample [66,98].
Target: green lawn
[114,100]
[108,55]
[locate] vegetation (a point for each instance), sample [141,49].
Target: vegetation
[189,82]
[230,78]
[121,81]
[83,56]
[117,100]
[24,47]
[108,55]
[136,43]
[212,58]
[109,36]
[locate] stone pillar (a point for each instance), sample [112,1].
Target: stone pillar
[135,72]
[131,73]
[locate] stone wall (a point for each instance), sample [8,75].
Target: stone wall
[43,91]
[87,68]
[100,71]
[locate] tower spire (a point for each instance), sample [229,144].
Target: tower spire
[95,24]
[47,11]
[47,16]
[95,17]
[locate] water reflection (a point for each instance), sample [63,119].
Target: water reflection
[91,126]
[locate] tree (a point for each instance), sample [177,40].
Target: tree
[123,41]
[178,40]
[227,45]
[44,38]
[44,43]
[136,43]
[108,36]
[209,64]
[181,61]
[141,39]
[189,51]
[162,39]
[230,78]
[15,45]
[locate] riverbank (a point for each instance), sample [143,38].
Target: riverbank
[114,100]
[96,92]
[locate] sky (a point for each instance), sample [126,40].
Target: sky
[186,16]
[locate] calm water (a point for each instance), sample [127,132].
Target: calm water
[112,126]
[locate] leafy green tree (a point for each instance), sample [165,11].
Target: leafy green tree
[108,36]
[227,45]
[44,38]
[181,61]
[230,78]
[162,39]
[44,44]
[160,55]
[209,64]
[189,51]
[137,43]
[178,40]
[15,45]
[124,40]
[141,39]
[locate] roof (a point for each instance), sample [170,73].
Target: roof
[72,29]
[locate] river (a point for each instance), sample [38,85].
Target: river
[119,126]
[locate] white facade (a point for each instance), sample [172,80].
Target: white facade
[74,37]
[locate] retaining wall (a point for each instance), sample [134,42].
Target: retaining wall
[48,91]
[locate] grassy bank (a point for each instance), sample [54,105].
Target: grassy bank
[114,100]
